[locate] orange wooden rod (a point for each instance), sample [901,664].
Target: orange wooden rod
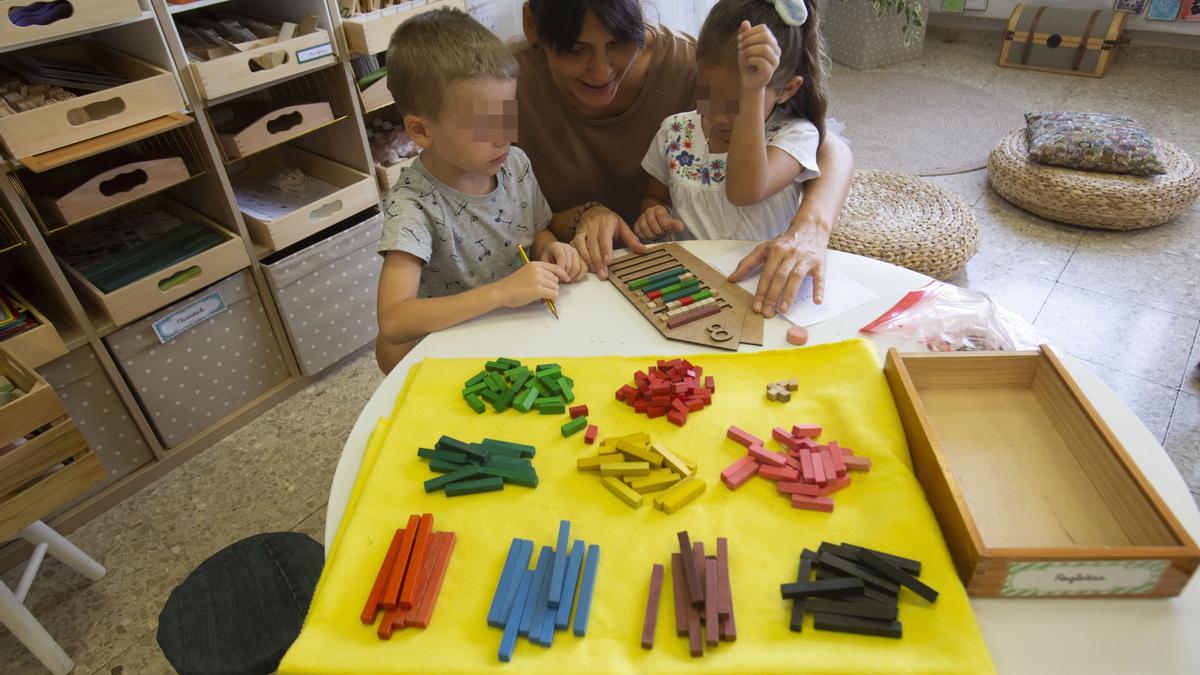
[409,589]
[429,599]
[391,591]
[407,617]
[371,610]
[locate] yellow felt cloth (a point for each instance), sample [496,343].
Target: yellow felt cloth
[841,387]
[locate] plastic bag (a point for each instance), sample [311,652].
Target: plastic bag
[946,318]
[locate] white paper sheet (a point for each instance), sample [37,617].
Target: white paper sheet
[842,293]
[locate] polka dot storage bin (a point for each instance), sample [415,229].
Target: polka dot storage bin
[90,400]
[223,361]
[325,290]
[857,38]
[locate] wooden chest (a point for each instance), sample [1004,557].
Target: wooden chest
[1069,41]
[1034,494]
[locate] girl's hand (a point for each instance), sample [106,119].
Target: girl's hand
[657,222]
[758,55]
[567,258]
[536,281]
[598,228]
[787,261]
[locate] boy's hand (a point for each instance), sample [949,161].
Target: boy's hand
[536,281]
[565,256]
[758,55]
[657,222]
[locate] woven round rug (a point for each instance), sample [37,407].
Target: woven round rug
[918,124]
[901,219]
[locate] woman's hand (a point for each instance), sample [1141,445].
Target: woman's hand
[787,260]
[758,55]
[598,229]
[566,257]
[657,222]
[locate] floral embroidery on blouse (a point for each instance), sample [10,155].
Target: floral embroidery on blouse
[681,160]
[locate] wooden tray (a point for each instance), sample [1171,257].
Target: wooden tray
[388,175]
[1034,494]
[114,188]
[733,325]
[36,346]
[376,96]
[32,482]
[134,300]
[88,15]
[150,93]
[238,72]
[370,33]
[357,192]
[273,127]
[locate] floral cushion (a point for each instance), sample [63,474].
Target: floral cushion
[1092,142]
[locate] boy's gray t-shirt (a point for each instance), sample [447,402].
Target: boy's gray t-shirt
[464,240]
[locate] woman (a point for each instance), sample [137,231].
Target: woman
[594,85]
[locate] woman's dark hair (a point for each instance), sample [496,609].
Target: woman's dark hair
[802,51]
[559,22]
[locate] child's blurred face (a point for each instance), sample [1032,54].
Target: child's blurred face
[718,90]
[476,126]
[592,70]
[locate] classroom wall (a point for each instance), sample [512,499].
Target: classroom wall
[1002,9]
[684,15]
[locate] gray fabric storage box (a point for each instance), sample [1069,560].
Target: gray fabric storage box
[88,395]
[857,38]
[216,360]
[325,291]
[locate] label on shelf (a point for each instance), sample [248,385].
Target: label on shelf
[192,314]
[314,53]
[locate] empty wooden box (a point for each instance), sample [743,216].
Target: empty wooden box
[1034,494]
[48,470]
[261,124]
[376,96]
[150,93]
[369,33]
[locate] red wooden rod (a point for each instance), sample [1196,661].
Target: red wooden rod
[371,610]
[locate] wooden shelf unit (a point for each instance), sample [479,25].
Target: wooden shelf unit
[28,264]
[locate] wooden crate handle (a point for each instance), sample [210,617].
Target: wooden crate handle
[94,112]
[284,122]
[123,181]
[267,61]
[179,278]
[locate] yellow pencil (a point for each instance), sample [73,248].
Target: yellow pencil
[548,301]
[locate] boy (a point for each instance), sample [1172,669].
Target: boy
[455,217]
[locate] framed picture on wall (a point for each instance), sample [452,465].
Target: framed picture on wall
[1163,10]
[1190,11]
[952,6]
[1131,6]
[976,5]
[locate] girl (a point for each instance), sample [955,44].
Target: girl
[734,168]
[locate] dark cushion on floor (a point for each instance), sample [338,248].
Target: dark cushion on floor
[240,610]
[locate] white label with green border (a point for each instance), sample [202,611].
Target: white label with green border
[1085,577]
[192,314]
[314,53]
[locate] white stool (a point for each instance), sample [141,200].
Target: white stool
[14,614]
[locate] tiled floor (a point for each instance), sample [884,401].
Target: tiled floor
[1128,303]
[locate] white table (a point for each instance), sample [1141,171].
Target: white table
[1024,636]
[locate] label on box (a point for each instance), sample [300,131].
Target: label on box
[314,53]
[1091,577]
[190,315]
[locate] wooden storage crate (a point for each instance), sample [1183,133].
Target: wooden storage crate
[357,192]
[152,292]
[1034,494]
[244,70]
[36,346]
[388,175]
[114,188]
[1060,40]
[369,33]
[150,93]
[87,15]
[51,468]
[376,96]
[281,122]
